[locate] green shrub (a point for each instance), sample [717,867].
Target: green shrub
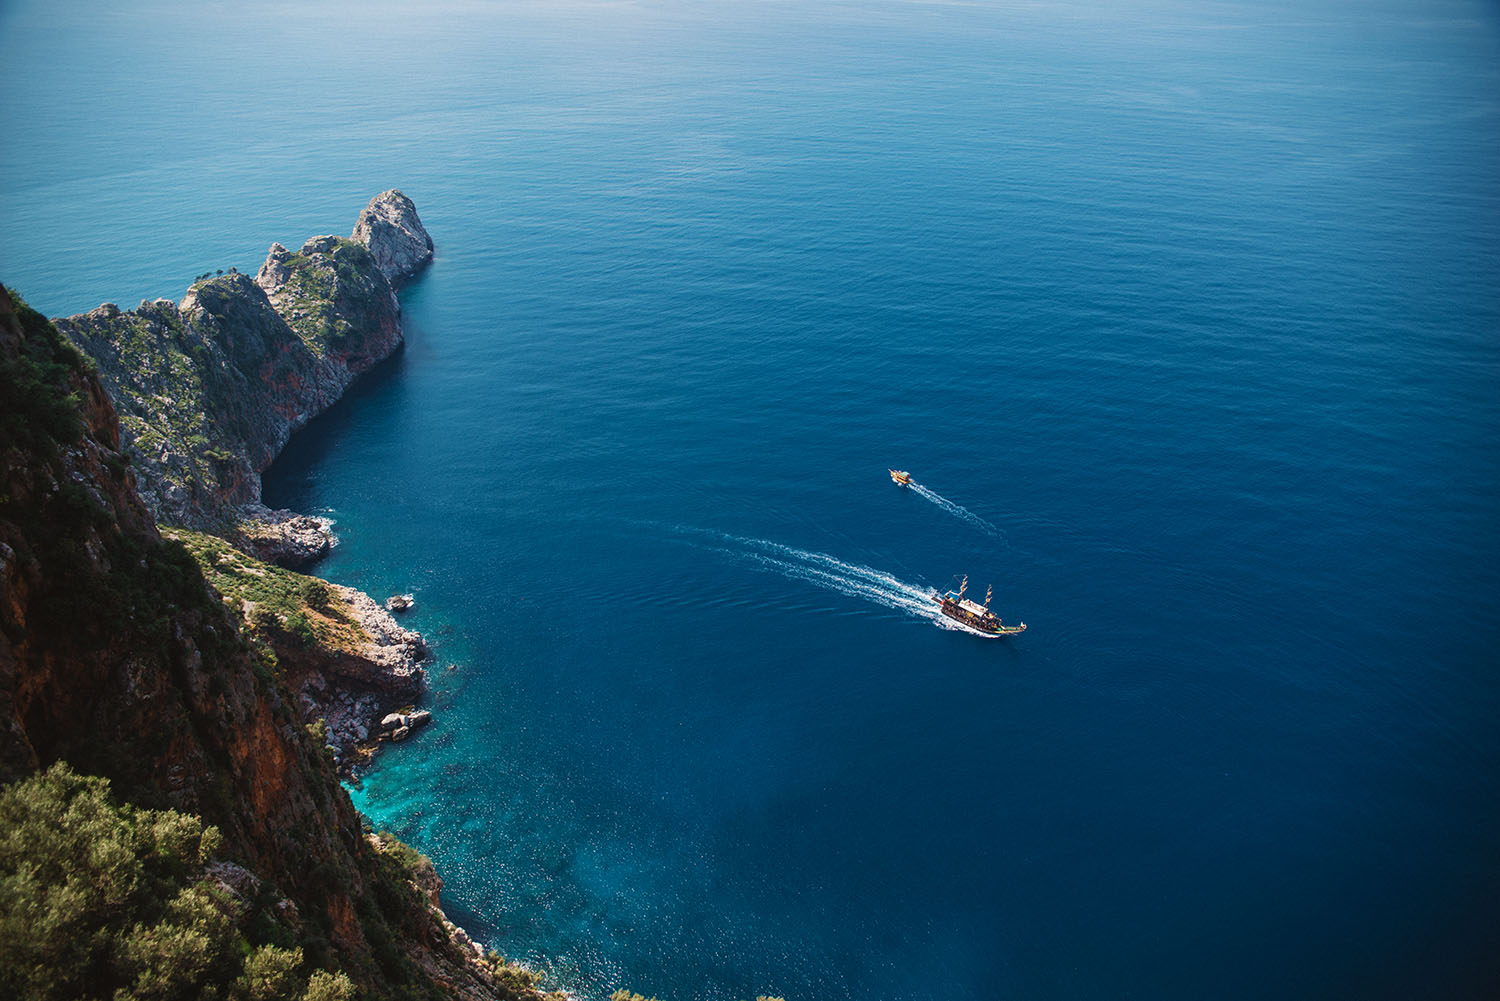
[96,897]
[38,412]
[300,629]
[269,974]
[317,594]
[325,986]
[100,900]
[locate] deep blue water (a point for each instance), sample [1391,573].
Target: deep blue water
[1191,311]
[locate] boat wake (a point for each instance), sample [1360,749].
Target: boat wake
[852,579]
[957,510]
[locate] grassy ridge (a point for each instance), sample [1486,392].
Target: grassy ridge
[278,605]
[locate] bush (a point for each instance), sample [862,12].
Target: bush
[37,411]
[325,986]
[317,594]
[300,629]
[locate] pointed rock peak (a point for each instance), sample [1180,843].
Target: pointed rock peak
[273,273]
[397,240]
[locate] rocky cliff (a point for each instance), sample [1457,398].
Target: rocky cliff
[210,389]
[118,659]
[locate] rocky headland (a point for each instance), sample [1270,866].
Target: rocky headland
[172,824]
[209,389]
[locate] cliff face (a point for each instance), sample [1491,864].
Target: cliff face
[118,659]
[210,389]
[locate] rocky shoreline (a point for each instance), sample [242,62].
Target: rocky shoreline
[209,391]
[284,537]
[369,697]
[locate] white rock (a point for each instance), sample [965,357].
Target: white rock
[396,237]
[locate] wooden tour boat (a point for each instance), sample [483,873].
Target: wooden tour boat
[976,617]
[900,477]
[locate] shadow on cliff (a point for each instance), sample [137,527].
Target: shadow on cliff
[288,482]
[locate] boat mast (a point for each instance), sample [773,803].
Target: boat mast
[988,593]
[962,587]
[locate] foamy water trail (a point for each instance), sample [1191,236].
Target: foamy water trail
[957,510]
[852,579]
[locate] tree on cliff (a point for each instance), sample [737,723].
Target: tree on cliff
[100,900]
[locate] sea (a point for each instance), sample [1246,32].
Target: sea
[1183,316]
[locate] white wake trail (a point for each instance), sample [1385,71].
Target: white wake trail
[856,582]
[849,579]
[957,510]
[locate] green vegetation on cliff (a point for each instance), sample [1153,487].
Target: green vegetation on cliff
[66,490]
[178,395]
[104,900]
[209,389]
[40,412]
[279,605]
[324,278]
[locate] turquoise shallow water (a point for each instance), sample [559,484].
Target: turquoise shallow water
[1189,313]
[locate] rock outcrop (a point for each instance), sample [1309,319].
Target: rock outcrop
[340,653]
[283,537]
[354,689]
[210,389]
[397,240]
